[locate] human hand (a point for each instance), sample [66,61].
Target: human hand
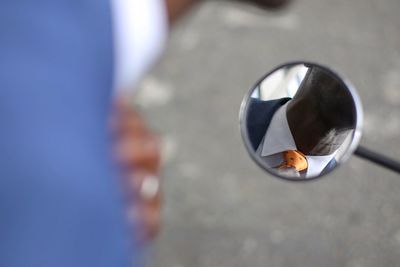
[269,3]
[177,8]
[137,151]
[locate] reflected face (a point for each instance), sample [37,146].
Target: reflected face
[299,114]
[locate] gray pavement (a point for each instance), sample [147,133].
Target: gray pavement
[221,210]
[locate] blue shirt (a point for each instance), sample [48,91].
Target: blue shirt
[60,203]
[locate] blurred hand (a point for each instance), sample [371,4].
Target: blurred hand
[177,8]
[137,151]
[269,3]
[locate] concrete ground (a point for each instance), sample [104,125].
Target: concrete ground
[221,210]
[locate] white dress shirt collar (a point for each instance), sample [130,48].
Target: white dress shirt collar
[278,138]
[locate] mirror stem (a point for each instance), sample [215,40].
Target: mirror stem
[377,158]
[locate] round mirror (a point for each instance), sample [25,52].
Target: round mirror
[301,121]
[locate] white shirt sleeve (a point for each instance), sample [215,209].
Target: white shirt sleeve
[140,30]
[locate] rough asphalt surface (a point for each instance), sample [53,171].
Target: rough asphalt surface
[220,209]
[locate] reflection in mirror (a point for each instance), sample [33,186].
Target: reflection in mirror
[299,121]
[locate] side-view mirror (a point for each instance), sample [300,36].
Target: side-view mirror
[302,120]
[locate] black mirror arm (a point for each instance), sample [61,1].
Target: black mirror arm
[377,158]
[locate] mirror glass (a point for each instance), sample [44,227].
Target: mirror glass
[301,121]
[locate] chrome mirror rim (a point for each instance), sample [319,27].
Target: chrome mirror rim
[356,135]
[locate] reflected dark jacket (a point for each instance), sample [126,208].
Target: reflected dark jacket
[259,116]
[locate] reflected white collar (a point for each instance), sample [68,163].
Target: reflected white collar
[278,138]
